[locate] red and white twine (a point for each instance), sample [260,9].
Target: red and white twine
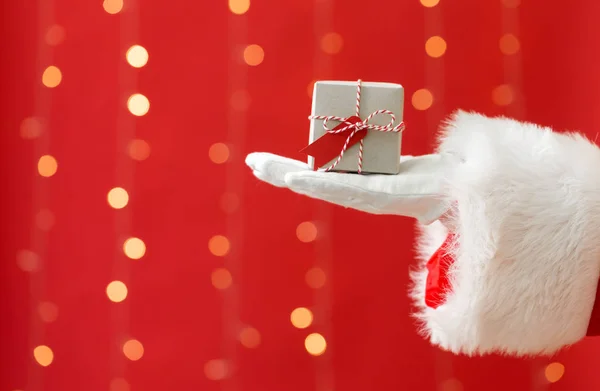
[353,128]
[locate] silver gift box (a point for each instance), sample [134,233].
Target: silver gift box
[381,152]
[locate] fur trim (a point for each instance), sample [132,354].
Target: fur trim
[527,259]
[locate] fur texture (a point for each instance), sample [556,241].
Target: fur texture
[527,258]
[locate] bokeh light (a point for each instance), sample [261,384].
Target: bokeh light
[554,372]
[306,232]
[435,46]
[503,95]
[218,153]
[509,44]
[117,197]
[138,149]
[422,99]
[254,55]
[138,105]
[239,7]
[219,245]
[250,337]
[113,6]
[134,248]
[137,56]
[28,261]
[116,291]
[119,384]
[221,278]
[315,278]
[332,43]
[43,355]
[315,344]
[301,317]
[55,35]
[429,3]
[133,349]
[48,311]
[52,76]
[216,369]
[47,166]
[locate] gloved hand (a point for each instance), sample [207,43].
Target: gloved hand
[414,192]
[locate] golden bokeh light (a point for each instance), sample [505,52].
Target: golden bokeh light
[435,47]
[219,245]
[138,149]
[43,355]
[503,95]
[422,99]
[133,349]
[31,128]
[55,35]
[116,291]
[218,153]
[216,369]
[221,278]
[48,311]
[315,344]
[229,202]
[509,44]
[332,43]
[239,7]
[137,56]
[240,100]
[554,372]
[52,76]
[301,317]
[306,232]
[511,3]
[113,6]
[315,278]
[117,198]
[28,261]
[44,220]
[254,55]
[250,338]
[47,166]
[138,105]
[134,248]
[429,3]
[119,384]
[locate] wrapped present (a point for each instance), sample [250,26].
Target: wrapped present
[356,127]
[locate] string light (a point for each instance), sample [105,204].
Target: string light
[117,198]
[48,311]
[113,6]
[239,7]
[43,355]
[138,105]
[218,153]
[133,349]
[502,95]
[216,369]
[47,166]
[31,128]
[55,35]
[52,76]
[435,46]
[306,232]
[221,278]
[219,245]
[422,99]
[28,261]
[315,344]
[429,3]
[116,291]
[138,150]
[332,43]
[137,56]
[134,248]
[509,44]
[301,318]
[250,338]
[254,55]
[315,278]
[554,372]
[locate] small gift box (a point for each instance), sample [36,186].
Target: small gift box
[356,127]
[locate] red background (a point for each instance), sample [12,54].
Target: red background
[176,202]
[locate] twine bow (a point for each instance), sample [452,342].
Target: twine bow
[354,125]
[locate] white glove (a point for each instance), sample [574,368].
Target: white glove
[415,192]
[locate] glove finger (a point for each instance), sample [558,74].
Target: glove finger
[272,168]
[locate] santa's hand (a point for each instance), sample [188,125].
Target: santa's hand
[414,192]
